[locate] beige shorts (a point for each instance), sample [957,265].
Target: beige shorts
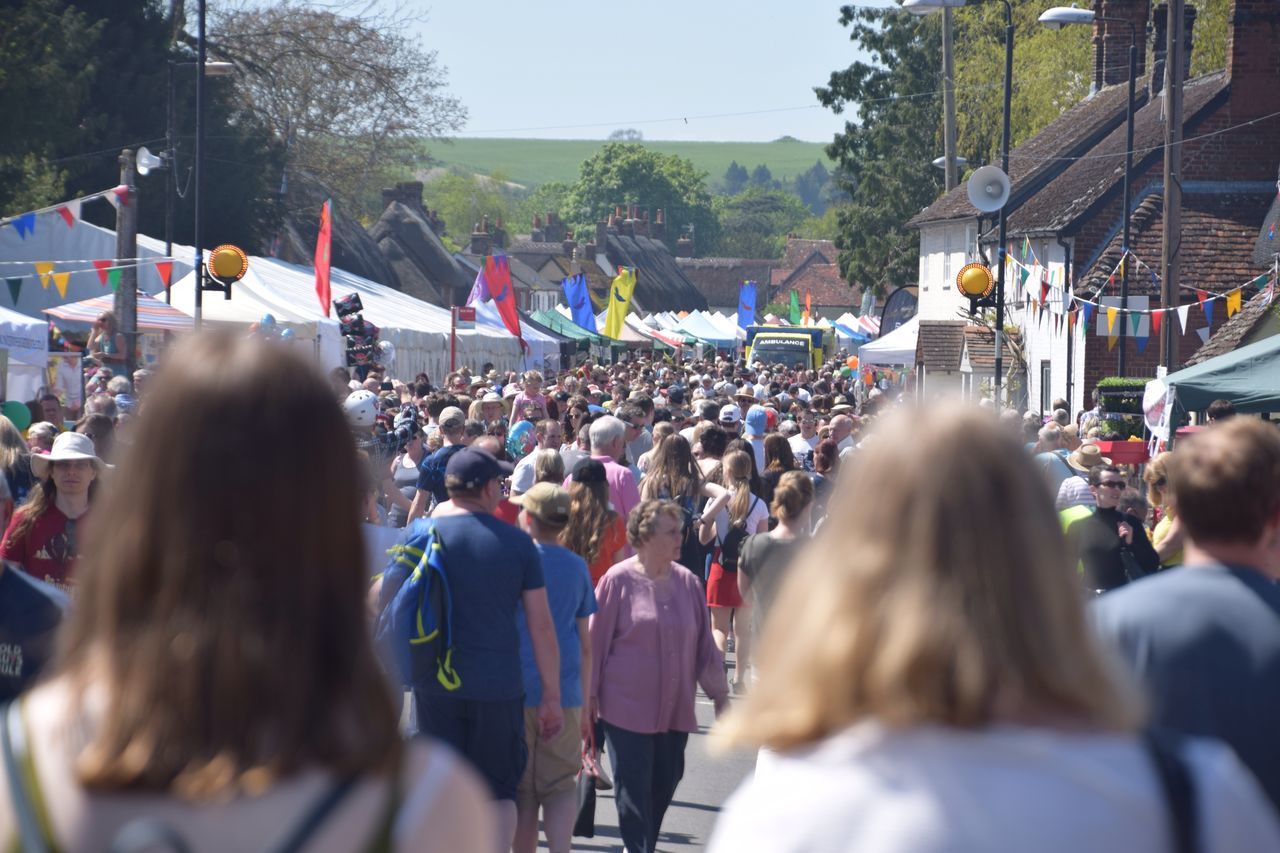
[553,765]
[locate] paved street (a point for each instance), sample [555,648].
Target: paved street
[708,782]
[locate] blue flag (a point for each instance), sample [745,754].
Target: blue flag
[747,304]
[575,293]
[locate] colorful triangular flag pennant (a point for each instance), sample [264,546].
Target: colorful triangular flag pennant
[1183,312]
[70,212]
[1141,342]
[15,287]
[1087,308]
[1207,305]
[43,269]
[1111,342]
[1111,320]
[165,269]
[102,267]
[1233,302]
[118,196]
[1156,318]
[25,224]
[113,276]
[60,280]
[1135,322]
[1204,334]
[1201,296]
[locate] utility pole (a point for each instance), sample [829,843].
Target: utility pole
[948,103]
[126,302]
[1172,221]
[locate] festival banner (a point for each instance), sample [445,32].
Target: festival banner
[579,301]
[322,257]
[620,291]
[497,273]
[746,304]
[793,315]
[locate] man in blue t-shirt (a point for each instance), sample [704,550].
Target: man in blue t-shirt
[549,779]
[1205,638]
[493,570]
[30,611]
[431,470]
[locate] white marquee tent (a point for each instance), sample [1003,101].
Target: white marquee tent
[27,341]
[897,347]
[418,330]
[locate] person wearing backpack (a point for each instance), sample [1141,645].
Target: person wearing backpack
[745,514]
[674,476]
[431,472]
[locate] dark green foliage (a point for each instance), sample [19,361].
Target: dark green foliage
[762,178]
[735,178]
[755,223]
[811,186]
[884,156]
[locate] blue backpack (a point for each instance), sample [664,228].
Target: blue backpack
[415,627]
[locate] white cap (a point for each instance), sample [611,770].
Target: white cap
[730,414]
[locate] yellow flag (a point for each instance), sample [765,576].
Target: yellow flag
[60,282]
[1111,320]
[1233,302]
[43,268]
[619,302]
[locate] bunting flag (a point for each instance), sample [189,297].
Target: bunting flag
[1111,342]
[1066,298]
[1207,305]
[1120,266]
[1141,342]
[44,269]
[1204,334]
[113,276]
[1087,308]
[322,257]
[165,269]
[1233,302]
[579,299]
[793,314]
[102,267]
[1135,322]
[620,291]
[808,308]
[1261,281]
[1071,322]
[1044,289]
[497,272]
[70,212]
[1111,320]
[60,280]
[15,287]
[1201,296]
[119,196]
[25,224]
[1024,275]
[1183,312]
[1026,248]
[746,304]
[1156,318]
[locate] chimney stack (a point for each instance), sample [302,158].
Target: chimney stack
[684,247]
[1111,40]
[569,244]
[480,244]
[1160,41]
[1253,60]
[658,229]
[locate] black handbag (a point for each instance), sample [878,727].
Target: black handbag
[585,824]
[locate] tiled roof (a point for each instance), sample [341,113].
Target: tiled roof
[519,247]
[1073,194]
[1069,135]
[799,250]
[1218,233]
[981,345]
[719,279]
[941,344]
[1232,333]
[821,281]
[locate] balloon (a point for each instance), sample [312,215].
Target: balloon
[520,439]
[846,372]
[16,412]
[852,362]
[267,322]
[386,353]
[286,335]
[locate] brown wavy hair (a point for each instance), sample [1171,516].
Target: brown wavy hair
[221,604]
[589,517]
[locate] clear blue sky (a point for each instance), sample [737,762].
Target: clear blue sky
[579,69]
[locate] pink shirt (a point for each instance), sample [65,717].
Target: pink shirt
[624,494]
[651,647]
[519,401]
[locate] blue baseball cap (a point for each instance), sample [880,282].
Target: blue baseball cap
[757,421]
[471,468]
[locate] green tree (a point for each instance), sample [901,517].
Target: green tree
[755,223]
[550,197]
[627,173]
[811,186]
[463,199]
[883,158]
[1210,53]
[735,178]
[762,178]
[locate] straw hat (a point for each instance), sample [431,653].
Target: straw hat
[67,447]
[1086,458]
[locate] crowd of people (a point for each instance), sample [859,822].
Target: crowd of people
[943,628]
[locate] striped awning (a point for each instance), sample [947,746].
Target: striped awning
[153,315]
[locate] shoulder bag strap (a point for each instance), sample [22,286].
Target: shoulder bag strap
[305,828]
[31,833]
[1178,788]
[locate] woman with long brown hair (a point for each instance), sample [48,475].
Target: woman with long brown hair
[745,514]
[932,684]
[217,678]
[778,460]
[596,532]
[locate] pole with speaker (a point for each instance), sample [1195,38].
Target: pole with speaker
[988,191]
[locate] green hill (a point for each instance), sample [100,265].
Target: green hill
[538,161]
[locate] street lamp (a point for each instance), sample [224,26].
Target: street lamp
[1056,18]
[941,162]
[170,157]
[923,7]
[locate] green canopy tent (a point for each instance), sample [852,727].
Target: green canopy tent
[1249,377]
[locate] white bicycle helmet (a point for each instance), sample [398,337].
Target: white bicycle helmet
[361,408]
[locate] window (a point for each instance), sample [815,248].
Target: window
[1046,380]
[947,249]
[924,268]
[971,243]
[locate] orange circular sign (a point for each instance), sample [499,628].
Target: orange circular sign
[975,281]
[228,262]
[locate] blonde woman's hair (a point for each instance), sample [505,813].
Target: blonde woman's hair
[12,447]
[736,476]
[929,614]
[1156,476]
[794,492]
[548,466]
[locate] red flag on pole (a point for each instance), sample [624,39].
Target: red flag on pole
[497,271]
[322,257]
